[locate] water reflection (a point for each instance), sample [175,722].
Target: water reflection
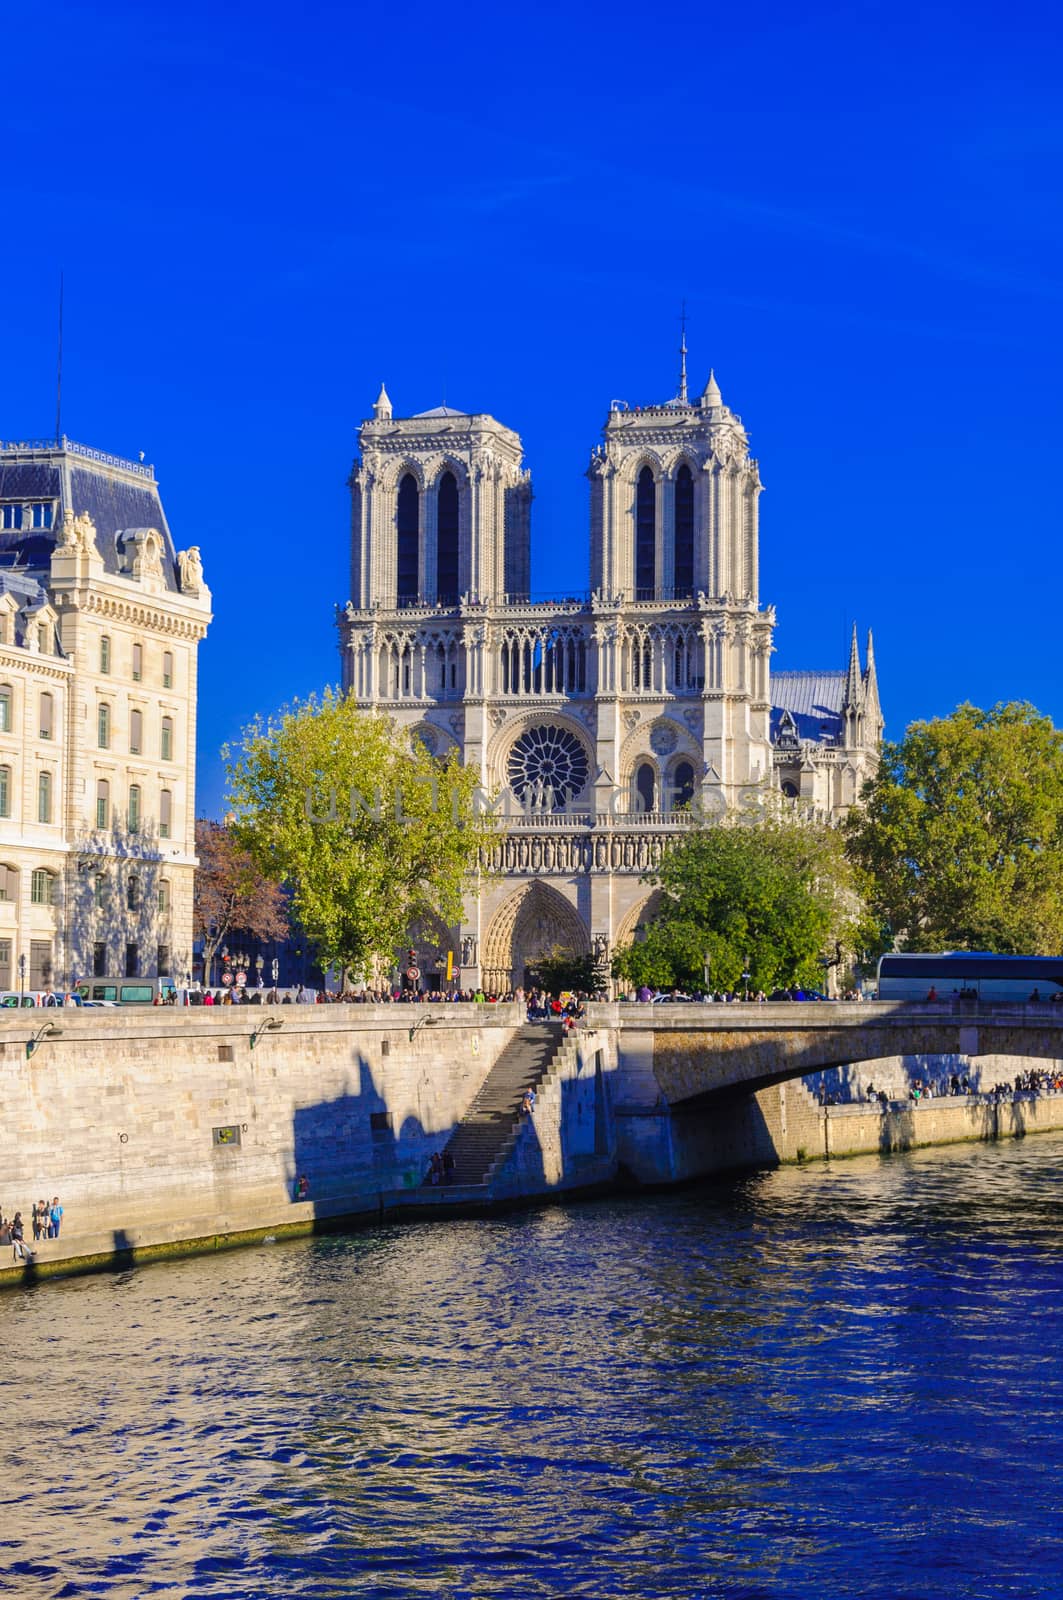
[823,1381]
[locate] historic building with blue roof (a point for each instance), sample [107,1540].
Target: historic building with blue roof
[606,719]
[100,623]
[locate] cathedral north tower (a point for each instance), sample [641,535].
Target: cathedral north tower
[440,509]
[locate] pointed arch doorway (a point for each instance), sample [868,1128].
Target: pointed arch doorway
[526,927]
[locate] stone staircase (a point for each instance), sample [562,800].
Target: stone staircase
[489,1129]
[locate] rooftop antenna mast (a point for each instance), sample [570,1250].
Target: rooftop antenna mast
[683,355]
[59,370]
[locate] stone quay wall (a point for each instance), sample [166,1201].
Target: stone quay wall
[167,1131]
[157,1126]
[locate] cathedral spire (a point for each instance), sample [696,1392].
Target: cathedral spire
[854,682]
[382,409]
[683,356]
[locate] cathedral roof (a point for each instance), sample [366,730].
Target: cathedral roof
[814,700]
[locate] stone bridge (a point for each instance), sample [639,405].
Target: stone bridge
[698,1052]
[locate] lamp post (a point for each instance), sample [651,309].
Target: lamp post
[259,964]
[706,965]
[745,979]
[276,969]
[21,976]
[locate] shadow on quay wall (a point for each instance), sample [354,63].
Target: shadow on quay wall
[348,1150]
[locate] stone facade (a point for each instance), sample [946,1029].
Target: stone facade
[601,720]
[100,623]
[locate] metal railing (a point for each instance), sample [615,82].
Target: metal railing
[36,447]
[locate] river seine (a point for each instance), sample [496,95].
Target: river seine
[823,1382]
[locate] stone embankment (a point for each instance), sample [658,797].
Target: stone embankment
[166,1132]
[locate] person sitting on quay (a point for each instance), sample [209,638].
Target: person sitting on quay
[18,1241]
[528,1103]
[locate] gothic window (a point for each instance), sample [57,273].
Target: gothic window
[790,790]
[407,527]
[447,540]
[547,768]
[684,533]
[645,787]
[645,536]
[682,786]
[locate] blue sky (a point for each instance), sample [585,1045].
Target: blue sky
[261,213]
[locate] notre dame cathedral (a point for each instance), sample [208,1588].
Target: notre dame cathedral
[608,719]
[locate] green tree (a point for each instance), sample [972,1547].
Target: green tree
[768,897]
[564,969]
[959,835]
[368,830]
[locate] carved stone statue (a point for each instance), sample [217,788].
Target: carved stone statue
[191,570]
[78,532]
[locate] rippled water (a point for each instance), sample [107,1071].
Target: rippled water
[825,1382]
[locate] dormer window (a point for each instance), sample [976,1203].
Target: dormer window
[42,638]
[10,517]
[41,515]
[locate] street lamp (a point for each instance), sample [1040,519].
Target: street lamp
[706,965]
[276,969]
[259,964]
[21,976]
[47,1030]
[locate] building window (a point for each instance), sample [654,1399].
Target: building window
[10,516]
[47,716]
[645,787]
[44,797]
[165,813]
[163,961]
[5,963]
[407,527]
[8,885]
[166,739]
[447,540]
[5,791]
[5,710]
[99,890]
[138,662]
[42,887]
[134,807]
[103,803]
[40,963]
[44,643]
[99,959]
[646,536]
[132,961]
[682,786]
[136,732]
[42,516]
[164,895]
[167,669]
[132,893]
[103,727]
[684,532]
[105,654]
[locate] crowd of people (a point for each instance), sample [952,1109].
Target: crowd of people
[46,1220]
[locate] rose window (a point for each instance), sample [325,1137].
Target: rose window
[547,768]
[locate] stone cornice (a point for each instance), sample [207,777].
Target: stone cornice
[143,613]
[14,660]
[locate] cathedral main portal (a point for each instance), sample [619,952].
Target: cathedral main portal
[531,924]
